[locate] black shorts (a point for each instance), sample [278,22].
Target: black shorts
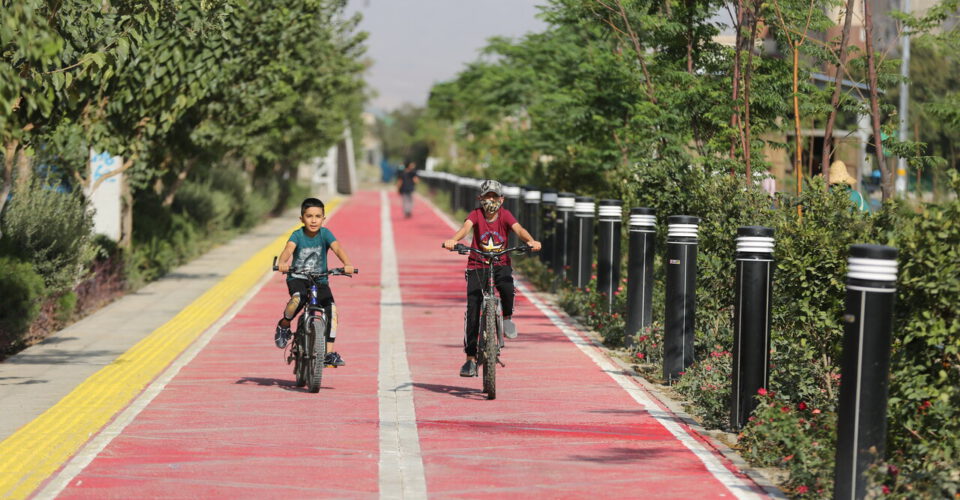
[302,286]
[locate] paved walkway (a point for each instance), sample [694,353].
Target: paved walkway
[217,415]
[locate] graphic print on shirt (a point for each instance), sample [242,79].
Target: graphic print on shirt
[310,259]
[491,241]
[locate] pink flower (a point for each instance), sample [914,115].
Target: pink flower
[707,367]
[815,412]
[802,489]
[802,406]
[784,409]
[788,458]
[641,355]
[643,338]
[761,391]
[886,490]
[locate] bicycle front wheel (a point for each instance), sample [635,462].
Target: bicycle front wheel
[299,355]
[317,353]
[491,350]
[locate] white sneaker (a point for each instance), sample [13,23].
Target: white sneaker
[509,329]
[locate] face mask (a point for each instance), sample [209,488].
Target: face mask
[490,206]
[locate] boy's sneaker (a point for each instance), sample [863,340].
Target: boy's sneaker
[282,336]
[334,359]
[509,329]
[469,369]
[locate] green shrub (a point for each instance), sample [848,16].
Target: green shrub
[66,305]
[796,436]
[924,406]
[707,385]
[22,290]
[52,230]
[210,208]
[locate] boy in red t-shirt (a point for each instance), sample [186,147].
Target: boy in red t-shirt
[491,225]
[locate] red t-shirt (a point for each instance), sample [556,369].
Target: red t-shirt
[490,236]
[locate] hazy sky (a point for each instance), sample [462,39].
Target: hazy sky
[416,43]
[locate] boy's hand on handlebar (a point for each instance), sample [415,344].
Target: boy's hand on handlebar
[449,244]
[349,269]
[534,245]
[283,267]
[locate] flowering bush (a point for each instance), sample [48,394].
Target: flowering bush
[648,344]
[796,436]
[707,385]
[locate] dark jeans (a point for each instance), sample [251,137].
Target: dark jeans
[324,299]
[476,281]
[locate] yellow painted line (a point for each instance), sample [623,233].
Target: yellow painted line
[40,448]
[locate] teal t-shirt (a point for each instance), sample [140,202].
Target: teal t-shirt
[311,253]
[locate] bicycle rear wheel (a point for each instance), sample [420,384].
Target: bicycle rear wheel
[317,353]
[491,350]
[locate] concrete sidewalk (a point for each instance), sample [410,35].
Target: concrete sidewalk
[41,375]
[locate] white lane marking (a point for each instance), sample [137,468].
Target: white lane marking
[93,448]
[401,466]
[738,487]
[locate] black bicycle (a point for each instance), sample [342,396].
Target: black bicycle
[491,319]
[309,350]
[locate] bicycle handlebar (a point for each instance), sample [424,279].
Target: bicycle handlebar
[338,271]
[463,250]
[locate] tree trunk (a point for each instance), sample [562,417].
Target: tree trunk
[735,116]
[887,173]
[837,88]
[126,213]
[24,168]
[284,174]
[747,145]
[798,163]
[181,177]
[9,154]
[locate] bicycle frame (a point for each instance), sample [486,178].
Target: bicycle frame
[309,346]
[491,340]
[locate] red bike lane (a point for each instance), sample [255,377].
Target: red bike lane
[560,427]
[231,423]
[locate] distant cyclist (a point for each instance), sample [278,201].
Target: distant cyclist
[308,248]
[491,224]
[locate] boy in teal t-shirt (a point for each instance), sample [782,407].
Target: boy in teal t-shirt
[306,250]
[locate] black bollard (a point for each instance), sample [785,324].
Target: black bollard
[471,192]
[643,239]
[751,320]
[531,212]
[511,193]
[609,223]
[548,222]
[454,183]
[864,366]
[467,195]
[580,251]
[681,295]
[562,255]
